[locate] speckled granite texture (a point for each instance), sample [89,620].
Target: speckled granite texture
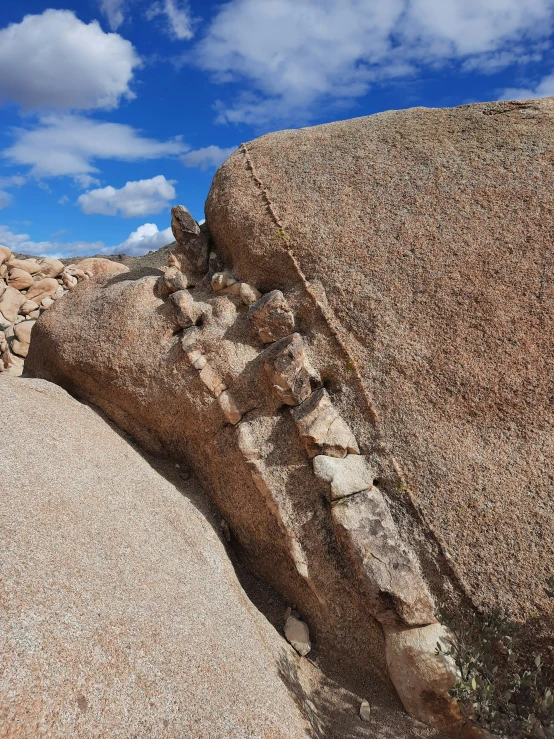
[428,233]
[120,612]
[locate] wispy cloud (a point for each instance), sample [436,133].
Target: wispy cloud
[72,144]
[178,22]
[291,56]
[146,238]
[113,10]
[543,88]
[5,199]
[209,156]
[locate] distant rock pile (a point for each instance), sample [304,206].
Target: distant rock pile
[30,286]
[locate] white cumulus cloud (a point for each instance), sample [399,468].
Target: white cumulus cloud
[178,20]
[146,238]
[55,61]
[135,199]
[293,53]
[71,144]
[209,156]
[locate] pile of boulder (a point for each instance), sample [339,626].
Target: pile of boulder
[30,286]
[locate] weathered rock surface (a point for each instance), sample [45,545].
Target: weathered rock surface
[424,677]
[19,279]
[121,614]
[346,475]
[202,393]
[22,332]
[50,267]
[10,302]
[322,428]
[98,266]
[370,540]
[403,313]
[31,266]
[298,635]
[272,317]
[426,238]
[286,366]
[5,254]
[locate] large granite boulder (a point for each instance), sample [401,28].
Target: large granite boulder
[121,614]
[426,237]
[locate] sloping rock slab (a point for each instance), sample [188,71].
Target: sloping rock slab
[428,235]
[121,615]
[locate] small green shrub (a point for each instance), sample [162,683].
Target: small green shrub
[493,690]
[282,234]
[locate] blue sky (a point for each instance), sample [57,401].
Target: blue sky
[115,110]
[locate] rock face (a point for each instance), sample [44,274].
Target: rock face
[214,393]
[98,266]
[121,614]
[420,235]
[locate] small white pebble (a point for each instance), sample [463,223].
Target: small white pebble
[365,711]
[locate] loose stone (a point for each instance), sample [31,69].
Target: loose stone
[272,317]
[322,428]
[365,711]
[298,635]
[346,476]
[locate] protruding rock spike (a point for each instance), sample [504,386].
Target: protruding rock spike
[183,225]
